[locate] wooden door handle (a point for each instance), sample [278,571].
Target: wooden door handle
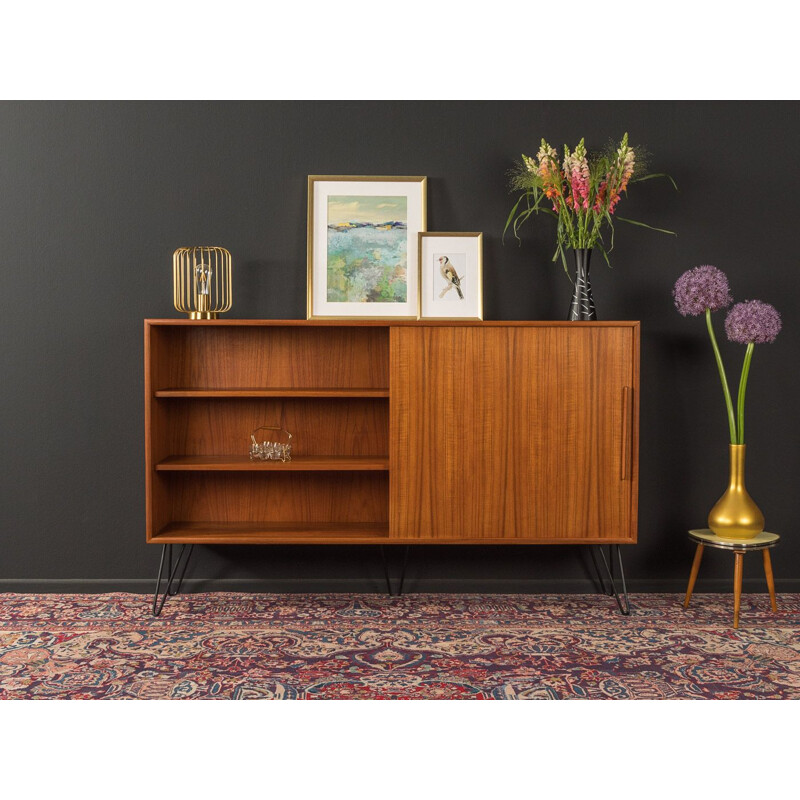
[627,432]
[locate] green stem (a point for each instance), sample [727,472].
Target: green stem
[748,355]
[721,368]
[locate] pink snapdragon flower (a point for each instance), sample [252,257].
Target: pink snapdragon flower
[616,181]
[576,168]
[628,162]
[550,174]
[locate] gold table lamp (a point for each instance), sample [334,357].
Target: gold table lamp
[201,278]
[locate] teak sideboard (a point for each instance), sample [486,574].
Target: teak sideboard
[404,432]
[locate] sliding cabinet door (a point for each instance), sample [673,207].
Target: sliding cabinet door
[513,433]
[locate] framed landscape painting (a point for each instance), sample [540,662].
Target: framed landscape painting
[451,276]
[362,246]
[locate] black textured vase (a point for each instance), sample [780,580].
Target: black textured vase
[582,305]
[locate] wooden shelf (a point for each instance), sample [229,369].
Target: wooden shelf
[236,463]
[272,533]
[272,392]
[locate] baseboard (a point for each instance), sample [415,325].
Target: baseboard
[369,586]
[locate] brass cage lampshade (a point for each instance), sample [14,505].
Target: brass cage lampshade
[201,279]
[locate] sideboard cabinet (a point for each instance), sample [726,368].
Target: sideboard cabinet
[403,432]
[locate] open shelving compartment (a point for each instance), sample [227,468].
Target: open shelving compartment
[210,384]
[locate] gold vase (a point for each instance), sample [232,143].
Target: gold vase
[735,515]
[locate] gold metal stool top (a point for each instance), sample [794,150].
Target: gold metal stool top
[760,541]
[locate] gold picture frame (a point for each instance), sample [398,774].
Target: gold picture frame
[362,246]
[451,276]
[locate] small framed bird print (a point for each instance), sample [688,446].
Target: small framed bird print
[451,276]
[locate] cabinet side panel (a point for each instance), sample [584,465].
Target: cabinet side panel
[635,333]
[156,431]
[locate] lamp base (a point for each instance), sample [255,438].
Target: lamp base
[202,314]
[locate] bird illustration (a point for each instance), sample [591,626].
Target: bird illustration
[451,276]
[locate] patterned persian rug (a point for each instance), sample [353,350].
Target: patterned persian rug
[335,646]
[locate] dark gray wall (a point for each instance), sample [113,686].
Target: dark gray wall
[94,198]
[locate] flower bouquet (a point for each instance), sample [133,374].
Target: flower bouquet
[704,290]
[582,193]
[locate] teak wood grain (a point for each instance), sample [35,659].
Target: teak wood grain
[274,533]
[283,391]
[278,497]
[502,432]
[296,464]
[222,357]
[521,433]
[319,427]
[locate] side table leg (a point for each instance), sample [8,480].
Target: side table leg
[698,556]
[737,586]
[770,579]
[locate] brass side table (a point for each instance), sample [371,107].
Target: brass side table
[763,541]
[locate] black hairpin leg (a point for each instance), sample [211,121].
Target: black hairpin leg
[403,572]
[612,590]
[598,573]
[172,571]
[386,571]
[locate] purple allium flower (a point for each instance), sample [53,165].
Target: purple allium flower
[701,288]
[752,321]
